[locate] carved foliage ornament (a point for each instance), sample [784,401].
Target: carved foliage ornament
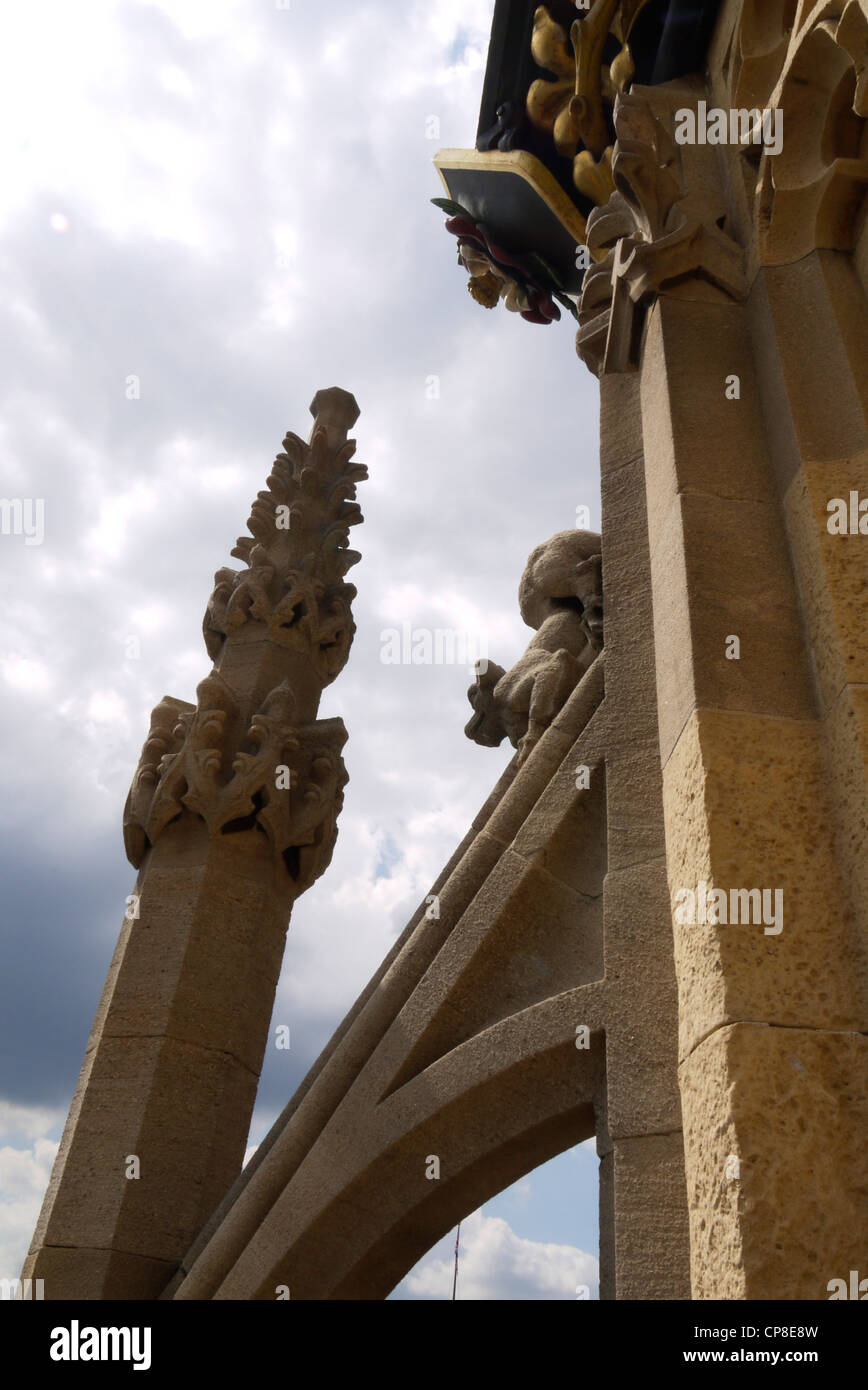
[238,768]
[195,758]
[576,108]
[650,236]
[296,556]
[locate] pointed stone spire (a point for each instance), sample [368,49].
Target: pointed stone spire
[232,814]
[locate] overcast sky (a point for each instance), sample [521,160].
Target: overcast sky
[229,200]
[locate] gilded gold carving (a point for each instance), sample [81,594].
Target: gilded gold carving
[576,106]
[593,177]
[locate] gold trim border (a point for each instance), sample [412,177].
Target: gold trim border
[529,168]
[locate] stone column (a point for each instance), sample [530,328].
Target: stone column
[232,814]
[644,1244]
[749,346]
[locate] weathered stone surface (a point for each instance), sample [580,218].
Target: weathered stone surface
[745,805]
[775,1122]
[820,301]
[210,934]
[565,834]
[834,572]
[860,255]
[846,750]
[685,413]
[634,787]
[135,1090]
[713,577]
[620,422]
[641,1046]
[99,1274]
[650,1217]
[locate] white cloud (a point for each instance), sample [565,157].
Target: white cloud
[27,1121]
[21,673]
[117,511]
[495,1263]
[24,1174]
[175,80]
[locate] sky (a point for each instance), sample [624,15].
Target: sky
[209,210]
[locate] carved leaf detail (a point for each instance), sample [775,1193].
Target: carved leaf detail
[297,554]
[649,237]
[240,762]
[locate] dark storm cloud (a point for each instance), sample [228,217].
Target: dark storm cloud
[59,920]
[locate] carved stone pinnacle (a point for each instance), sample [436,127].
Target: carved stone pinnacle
[335,411]
[250,752]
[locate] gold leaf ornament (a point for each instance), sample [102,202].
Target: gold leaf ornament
[593,177]
[574,107]
[550,105]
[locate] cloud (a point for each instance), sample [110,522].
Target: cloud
[231,203]
[24,1174]
[495,1263]
[27,1121]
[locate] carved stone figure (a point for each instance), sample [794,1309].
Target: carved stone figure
[561,595]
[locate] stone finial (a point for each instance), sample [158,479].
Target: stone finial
[297,554]
[335,411]
[561,595]
[250,754]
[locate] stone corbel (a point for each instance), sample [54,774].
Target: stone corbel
[654,236]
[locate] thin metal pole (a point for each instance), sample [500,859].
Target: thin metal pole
[455,1275]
